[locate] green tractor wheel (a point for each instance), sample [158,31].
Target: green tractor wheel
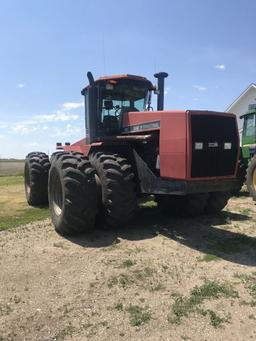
[251,177]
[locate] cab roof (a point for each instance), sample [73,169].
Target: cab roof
[122,76]
[116,78]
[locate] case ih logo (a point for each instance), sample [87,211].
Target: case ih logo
[143,126]
[213,144]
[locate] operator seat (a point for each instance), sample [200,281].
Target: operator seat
[110,125]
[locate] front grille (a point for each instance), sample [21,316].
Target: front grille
[214,145]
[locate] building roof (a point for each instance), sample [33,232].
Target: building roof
[251,86]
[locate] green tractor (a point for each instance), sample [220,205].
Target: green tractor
[247,165]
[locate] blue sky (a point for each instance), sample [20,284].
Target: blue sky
[47,46]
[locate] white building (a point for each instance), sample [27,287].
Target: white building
[240,105]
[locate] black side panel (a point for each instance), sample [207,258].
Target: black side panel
[214,145]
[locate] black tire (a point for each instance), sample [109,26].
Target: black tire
[36,178]
[72,191]
[195,204]
[190,205]
[56,155]
[216,202]
[251,177]
[170,204]
[119,201]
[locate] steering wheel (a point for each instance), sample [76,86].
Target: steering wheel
[117,109]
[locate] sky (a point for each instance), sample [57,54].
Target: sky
[47,47]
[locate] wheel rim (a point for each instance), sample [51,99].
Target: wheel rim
[27,180]
[254,179]
[57,195]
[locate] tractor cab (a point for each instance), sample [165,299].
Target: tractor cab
[249,132]
[108,98]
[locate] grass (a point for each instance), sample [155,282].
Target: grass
[127,263]
[11,180]
[12,160]
[209,257]
[148,204]
[138,315]
[183,306]
[252,290]
[216,320]
[249,280]
[11,175]
[251,303]
[119,306]
[123,280]
[137,276]
[246,211]
[23,218]
[14,208]
[144,273]
[157,287]
[212,289]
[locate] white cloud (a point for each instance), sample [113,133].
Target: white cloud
[3,125]
[220,67]
[68,130]
[21,85]
[58,116]
[199,87]
[166,90]
[72,105]
[23,128]
[31,144]
[46,122]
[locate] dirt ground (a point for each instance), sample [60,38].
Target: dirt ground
[161,278]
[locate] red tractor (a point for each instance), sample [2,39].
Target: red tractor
[186,158]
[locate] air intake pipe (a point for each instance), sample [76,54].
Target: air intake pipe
[160,89]
[90,78]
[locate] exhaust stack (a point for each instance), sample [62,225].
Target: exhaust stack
[160,88]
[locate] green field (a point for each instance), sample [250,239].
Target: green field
[14,208]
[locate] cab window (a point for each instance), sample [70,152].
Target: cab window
[249,126]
